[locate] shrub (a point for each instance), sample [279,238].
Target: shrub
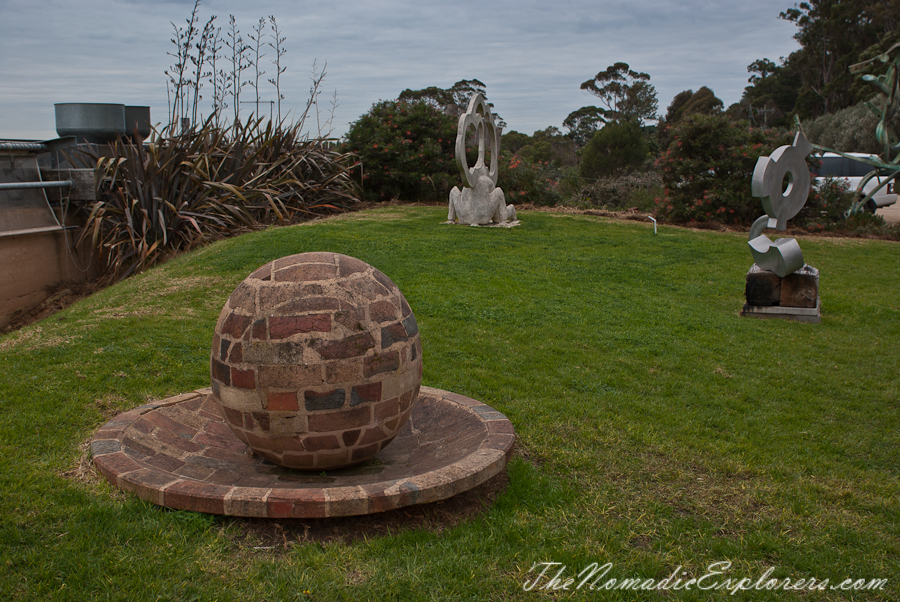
[524,181]
[622,192]
[826,205]
[849,130]
[708,167]
[618,146]
[406,150]
[165,196]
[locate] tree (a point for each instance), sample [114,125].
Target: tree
[406,150]
[453,100]
[685,104]
[626,94]
[832,34]
[582,124]
[708,167]
[617,146]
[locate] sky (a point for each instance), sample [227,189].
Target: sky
[532,55]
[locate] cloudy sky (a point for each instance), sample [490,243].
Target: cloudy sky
[532,55]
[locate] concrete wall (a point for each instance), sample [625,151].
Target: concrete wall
[31,264]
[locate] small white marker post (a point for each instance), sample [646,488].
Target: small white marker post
[654,223]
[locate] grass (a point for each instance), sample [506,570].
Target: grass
[656,429]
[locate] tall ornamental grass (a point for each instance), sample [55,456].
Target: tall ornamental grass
[176,191]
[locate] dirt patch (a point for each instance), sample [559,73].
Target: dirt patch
[280,535]
[58,298]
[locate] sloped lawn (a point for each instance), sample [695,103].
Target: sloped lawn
[657,430]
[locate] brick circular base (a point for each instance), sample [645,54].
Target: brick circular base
[180,453]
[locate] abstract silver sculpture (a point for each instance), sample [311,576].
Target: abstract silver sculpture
[782,181]
[480,201]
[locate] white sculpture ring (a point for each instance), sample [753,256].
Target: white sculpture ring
[478,115]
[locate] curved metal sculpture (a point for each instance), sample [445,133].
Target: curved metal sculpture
[888,108]
[781,202]
[480,201]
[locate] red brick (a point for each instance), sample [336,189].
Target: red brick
[381,363]
[307,272]
[339,421]
[243,298]
[303,258]
[371,435]
[350,437]
[291,444]
[316,443]
[232,442]
[384,280]
[365,393]
[196,496]
[282,327]
[233,416]
[243,379]
[299,461]
[350,265]
[220,372]
[263,273]
[282,402]
[164,462]
[324,400]
[290,376]
[383,311]
[352,346]
[363,453]
[258,332]
[387,408]
[177,442]
[367,288]
[289,503]
[236,356]
[112,465]
[260,421]
[262,444]
[163,422]
[276,295]
[235,325]
[350,316]
[393,334]
[307,304]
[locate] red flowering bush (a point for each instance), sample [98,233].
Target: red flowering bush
[708,168]
[524,181]
[406,150]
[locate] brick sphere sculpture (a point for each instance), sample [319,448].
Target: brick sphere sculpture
[316,361]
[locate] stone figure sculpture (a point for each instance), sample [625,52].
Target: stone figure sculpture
[782,181]
[480,201]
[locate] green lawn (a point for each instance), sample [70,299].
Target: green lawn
[656,429]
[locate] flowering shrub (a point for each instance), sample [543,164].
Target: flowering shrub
[825,206]
[406,150]
[522,181]
[708,167]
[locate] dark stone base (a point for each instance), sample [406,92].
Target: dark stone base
[793,297]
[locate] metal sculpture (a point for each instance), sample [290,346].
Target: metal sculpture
[782,181]
[480,201]
[888,108]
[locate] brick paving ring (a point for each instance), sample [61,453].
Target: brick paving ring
[180,453]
